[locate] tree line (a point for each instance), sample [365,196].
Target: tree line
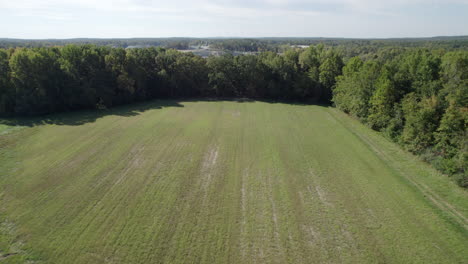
[46,80]
[417,97]
[277,44]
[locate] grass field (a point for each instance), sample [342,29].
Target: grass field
[220,182]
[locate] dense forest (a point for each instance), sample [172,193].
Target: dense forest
[418,97]
[248,44]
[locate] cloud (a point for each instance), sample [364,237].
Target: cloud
[215,7]
[229,17]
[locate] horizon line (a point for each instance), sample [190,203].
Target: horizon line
[234,37]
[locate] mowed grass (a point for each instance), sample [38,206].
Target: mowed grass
[221,182]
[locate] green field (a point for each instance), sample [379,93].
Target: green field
[220,182]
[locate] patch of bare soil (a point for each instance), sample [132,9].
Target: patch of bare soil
[209,163]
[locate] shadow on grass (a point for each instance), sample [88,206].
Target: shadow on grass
[252,100]
[81,117]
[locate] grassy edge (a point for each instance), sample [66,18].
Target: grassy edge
[13,249]
[441,193]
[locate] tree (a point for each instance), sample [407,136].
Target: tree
[355,88]
[451,136]
[422,120]
[330,69]
[251,76]
[143,69]
[452,133]
[419,72]
[79,93]
[36,77]
[223,76]
[309,58]
[347,84]
[189,75]
[280,75]
[454,71]
[309,82]
[382,102]
[117,64]
[6,91]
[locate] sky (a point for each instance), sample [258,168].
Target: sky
[41,19]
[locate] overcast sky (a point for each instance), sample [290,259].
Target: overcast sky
[228,18]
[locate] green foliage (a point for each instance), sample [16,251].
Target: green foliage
[455,78]
[418,98]
[143,69]
[117,64]
[36,76]
[452,143]
[330,69]
[419,71]
[6,90]
[415,96]
[421,122]
[223,75]
[251,74]
[355,88]
[452,134]
[382,102]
